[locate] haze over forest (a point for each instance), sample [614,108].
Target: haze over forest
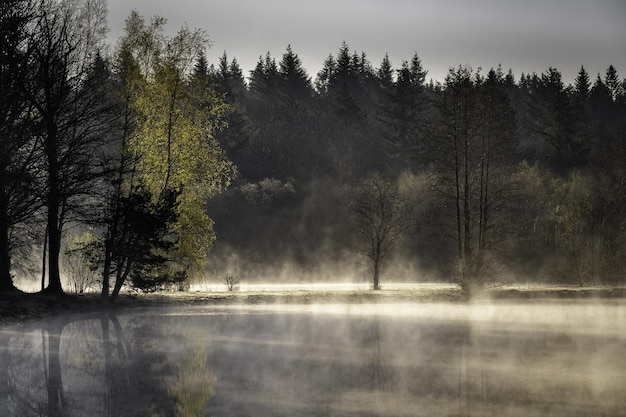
[154,165]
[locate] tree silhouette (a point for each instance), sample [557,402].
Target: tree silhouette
[473,157]
[64,44]
[382,216]
[19,153]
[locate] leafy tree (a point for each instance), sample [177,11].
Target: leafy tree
[118,187]
[161,162]
[573,226]
[173,143]
[578,244]
[135,237]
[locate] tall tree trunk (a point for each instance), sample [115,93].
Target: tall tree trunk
[54,206]
[457,204]
[377,275]
[44,259]
[122,275]
[54,247]
[467,194]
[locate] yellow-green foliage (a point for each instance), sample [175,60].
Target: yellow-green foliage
[172,141]
[569,214]
[193,386]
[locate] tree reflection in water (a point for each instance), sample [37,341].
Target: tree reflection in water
[349,360]
[86,365]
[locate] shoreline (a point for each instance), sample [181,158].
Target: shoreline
[18,307]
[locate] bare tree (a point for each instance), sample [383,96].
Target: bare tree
[18,150]
[382,215]
[471,156]
[65,40]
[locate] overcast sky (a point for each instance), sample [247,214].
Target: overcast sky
[526,36]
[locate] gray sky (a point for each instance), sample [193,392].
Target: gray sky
[526,36]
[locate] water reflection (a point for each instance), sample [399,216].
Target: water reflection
[93,365]
[349,360]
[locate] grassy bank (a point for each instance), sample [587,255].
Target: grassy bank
[18,307]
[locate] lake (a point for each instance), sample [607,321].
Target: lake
[530,358]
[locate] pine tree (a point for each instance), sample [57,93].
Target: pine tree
[385,74]
[297,131]
[582,86]
[612,82]
[581,113]
[404,115]
[347,86]
[322,81]
[229,82]
[264,78]
[294,78]
[201,68]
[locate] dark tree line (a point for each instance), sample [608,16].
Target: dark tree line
[521,176]
[483,140]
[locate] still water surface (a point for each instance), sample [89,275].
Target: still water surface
[432,359]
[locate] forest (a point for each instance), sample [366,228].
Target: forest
[143,165]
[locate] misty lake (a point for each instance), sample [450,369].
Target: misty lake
[523,358]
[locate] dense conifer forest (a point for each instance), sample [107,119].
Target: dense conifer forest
[513,177]
[151,167]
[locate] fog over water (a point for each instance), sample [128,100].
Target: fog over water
[532,358]
[318,286]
